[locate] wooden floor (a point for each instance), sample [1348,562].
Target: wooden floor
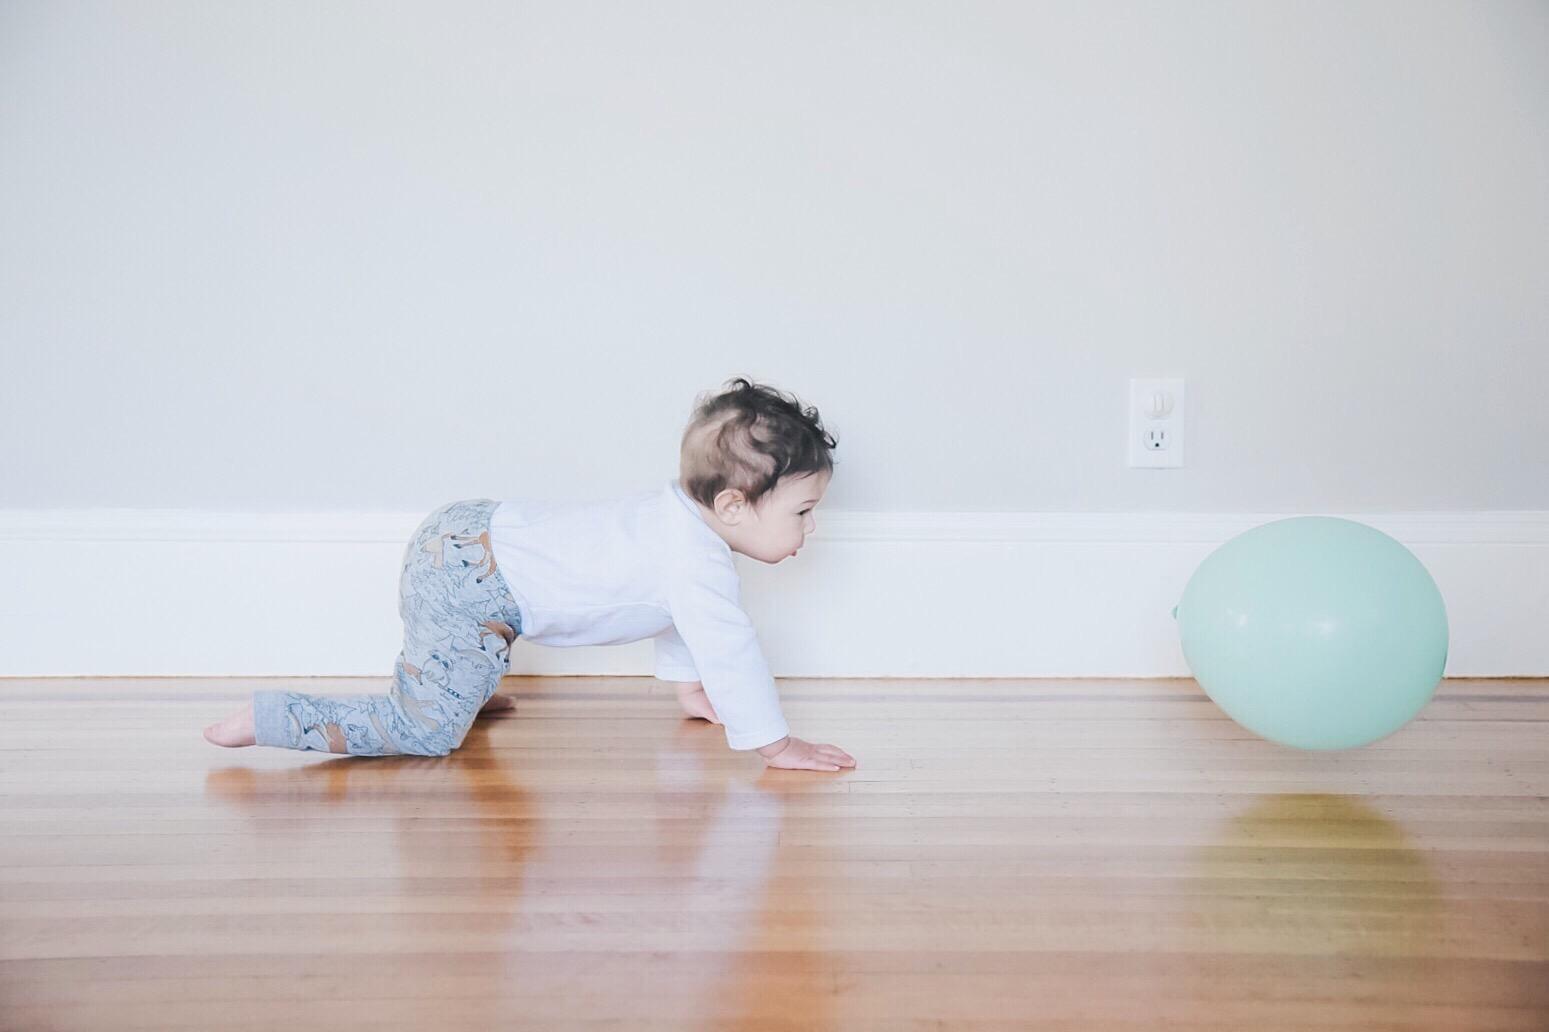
[1008,854]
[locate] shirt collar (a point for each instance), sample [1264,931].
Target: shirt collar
[684,502]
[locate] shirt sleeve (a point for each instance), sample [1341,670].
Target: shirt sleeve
[674,662]
[707,612]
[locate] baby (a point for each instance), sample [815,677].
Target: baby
[478,574]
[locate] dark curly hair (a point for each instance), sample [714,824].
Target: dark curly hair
[748,437]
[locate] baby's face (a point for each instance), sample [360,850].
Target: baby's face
[783,518]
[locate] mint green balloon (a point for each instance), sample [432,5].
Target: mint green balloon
[1315,632]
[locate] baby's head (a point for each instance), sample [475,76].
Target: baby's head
[756,463]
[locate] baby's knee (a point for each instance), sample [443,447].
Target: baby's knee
[413,735]
[447,736]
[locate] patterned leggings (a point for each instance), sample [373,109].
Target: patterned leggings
[459,621]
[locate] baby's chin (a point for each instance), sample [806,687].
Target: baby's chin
[772,559]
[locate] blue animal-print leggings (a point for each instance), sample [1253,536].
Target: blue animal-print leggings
[459,621]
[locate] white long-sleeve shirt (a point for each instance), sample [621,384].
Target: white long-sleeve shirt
[645,565]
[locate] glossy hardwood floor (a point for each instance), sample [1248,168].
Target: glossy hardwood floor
[1008,854]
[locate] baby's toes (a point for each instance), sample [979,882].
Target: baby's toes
[233,732]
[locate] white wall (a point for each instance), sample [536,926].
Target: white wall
[342,256]
[112,592]
[364,258]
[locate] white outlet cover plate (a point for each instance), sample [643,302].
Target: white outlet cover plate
[1142,393]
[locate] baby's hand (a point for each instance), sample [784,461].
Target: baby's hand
[791,753]
[694,702]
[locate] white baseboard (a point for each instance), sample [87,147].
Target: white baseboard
[182,593]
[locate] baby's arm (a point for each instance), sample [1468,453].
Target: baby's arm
[792,753]
[713,633]
[789,753]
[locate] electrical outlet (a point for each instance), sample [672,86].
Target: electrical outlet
[1155,423]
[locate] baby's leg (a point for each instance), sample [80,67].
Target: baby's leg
[238,730]
[459,624]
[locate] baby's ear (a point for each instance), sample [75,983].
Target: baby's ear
[730,504]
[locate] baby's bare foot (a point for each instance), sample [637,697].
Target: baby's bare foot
[236,730]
